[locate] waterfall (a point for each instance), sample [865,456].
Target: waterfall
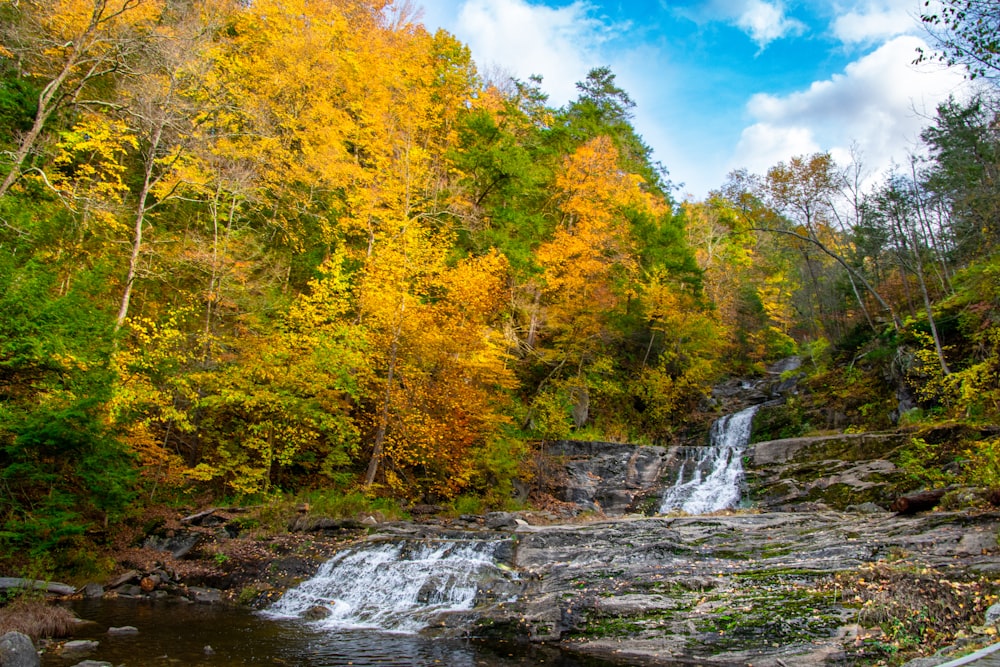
[397,586]
[711,479]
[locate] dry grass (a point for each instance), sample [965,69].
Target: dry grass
[36,618]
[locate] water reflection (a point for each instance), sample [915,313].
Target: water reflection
[173,633]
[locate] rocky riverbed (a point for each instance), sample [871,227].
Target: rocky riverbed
[814,570]
[747,588]
[735,588]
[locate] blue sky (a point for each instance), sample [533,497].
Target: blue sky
[724,84]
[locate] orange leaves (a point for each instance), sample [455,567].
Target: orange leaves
[440,371]
[595,196]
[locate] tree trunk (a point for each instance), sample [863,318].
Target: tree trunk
[140,219]
[840,260]
[920,501]
[383,418]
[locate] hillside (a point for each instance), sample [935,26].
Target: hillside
[290,252]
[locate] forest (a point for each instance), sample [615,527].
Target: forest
[255,250]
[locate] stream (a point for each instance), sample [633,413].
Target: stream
[174,633]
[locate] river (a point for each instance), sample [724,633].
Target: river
[174,633]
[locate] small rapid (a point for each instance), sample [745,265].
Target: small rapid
[711,478]
[398,586]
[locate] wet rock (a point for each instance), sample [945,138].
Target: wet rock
[207,519]
[204,595]
[123,630]
[93,663]
[92,591]
[79,646]
[16,650]
[316,613]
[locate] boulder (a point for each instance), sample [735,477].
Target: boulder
[316,613]
[79,646]
[92,591]
[16,650]
[205,595]
[178,545]
[500,520]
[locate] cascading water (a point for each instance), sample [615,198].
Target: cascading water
[397,586]
[711,479]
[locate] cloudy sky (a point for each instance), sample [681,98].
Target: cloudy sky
[723,84]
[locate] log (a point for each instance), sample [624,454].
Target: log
[918,502]
[17,583]
[196,519]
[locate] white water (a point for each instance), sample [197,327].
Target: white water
[395,586]
[711,480]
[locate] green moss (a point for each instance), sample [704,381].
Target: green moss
[768,617]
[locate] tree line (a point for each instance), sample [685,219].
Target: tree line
[260,247]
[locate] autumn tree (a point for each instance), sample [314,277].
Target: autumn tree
[68,45]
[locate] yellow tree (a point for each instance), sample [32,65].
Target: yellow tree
[590,268]
[69,45]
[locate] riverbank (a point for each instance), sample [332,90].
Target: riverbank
[779,588]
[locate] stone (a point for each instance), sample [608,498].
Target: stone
[205,595]
[16,650]
[316,613]
[123,630]
[500,520]
[93,591]
[654,585]
[993,615]
[93,663]
[177,545]
[80,646]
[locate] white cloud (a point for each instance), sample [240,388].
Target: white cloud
[874,20]
[762,20]
[880,101]
[561,44]
[766,22]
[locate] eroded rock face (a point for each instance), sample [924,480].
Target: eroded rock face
[719,590]
[607,477]
[836,470]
